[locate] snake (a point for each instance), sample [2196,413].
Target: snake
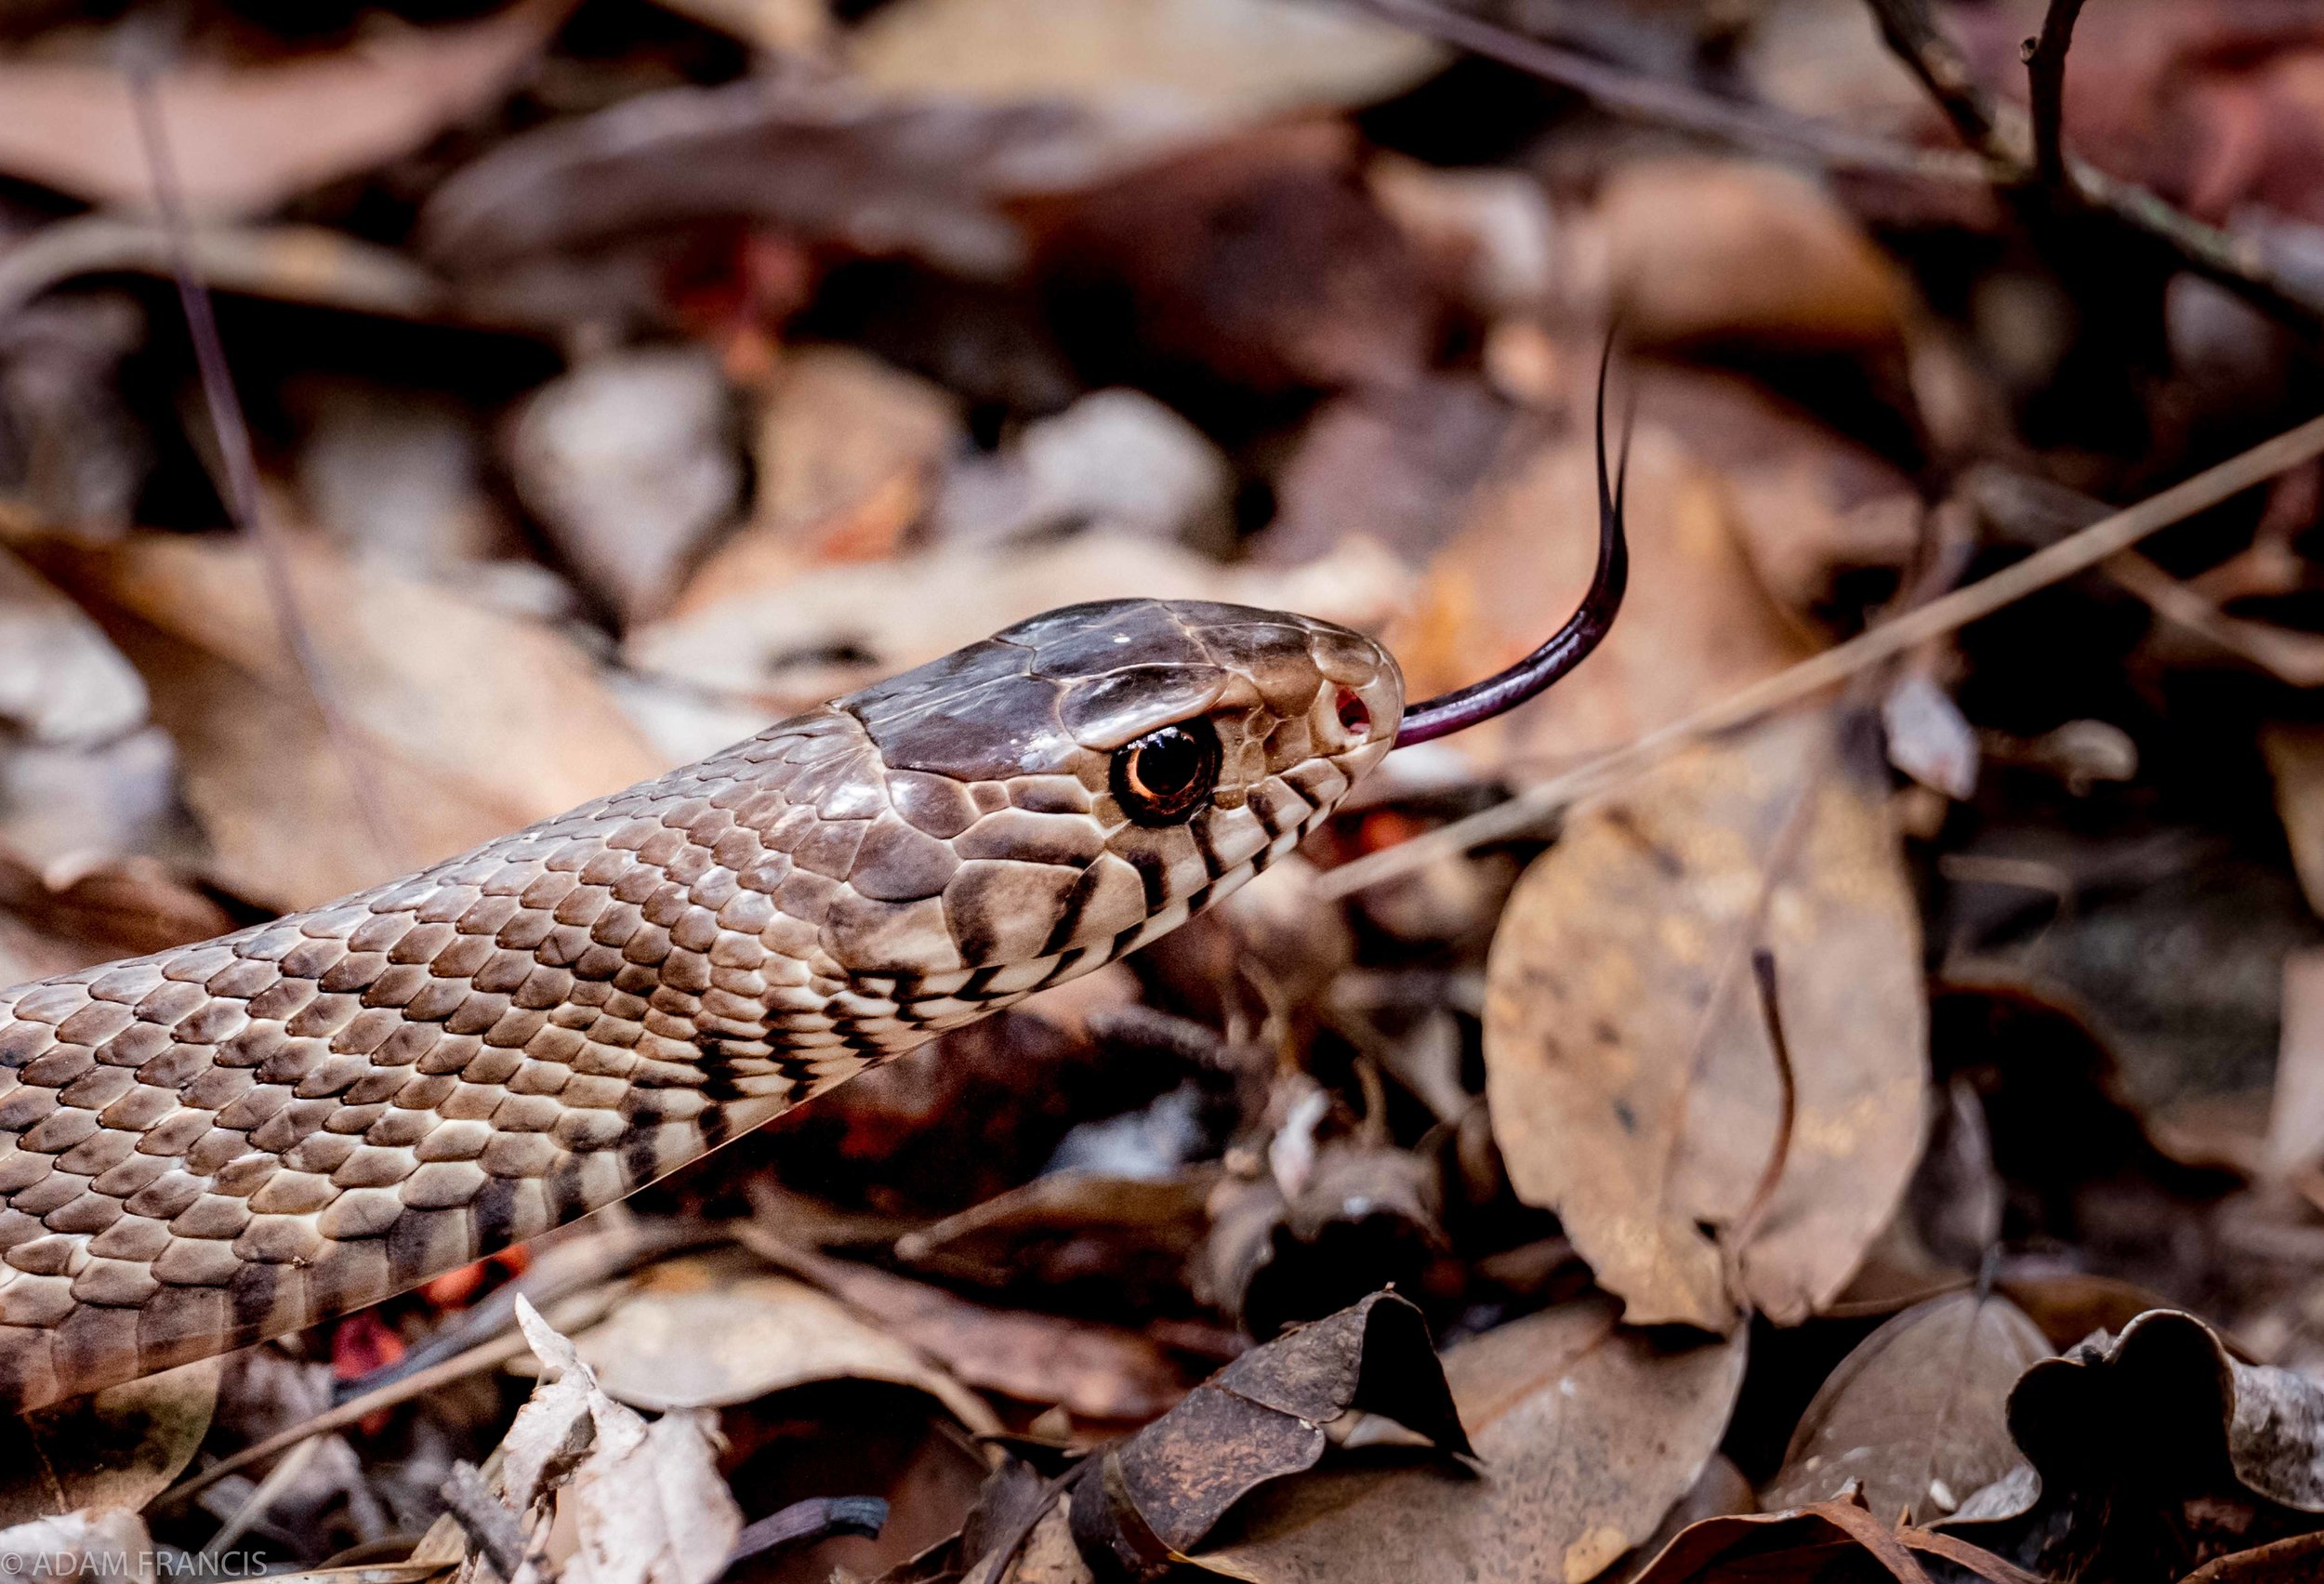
[227,1140]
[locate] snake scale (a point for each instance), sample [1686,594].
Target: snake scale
[227,1140]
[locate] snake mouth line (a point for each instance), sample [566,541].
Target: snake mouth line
[1572,644]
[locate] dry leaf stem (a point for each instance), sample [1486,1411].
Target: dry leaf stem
[2052,565]
[1788,1112]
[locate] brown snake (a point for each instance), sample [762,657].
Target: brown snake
[228,1141]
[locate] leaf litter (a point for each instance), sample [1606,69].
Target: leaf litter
[1879,1140]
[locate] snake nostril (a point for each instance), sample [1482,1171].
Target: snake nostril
[1354,714]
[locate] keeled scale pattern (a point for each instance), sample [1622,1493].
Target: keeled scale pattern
[214,1145]
[220,1143]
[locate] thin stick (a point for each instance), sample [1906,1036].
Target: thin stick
[244,499]
[489,1523]
[1757,127]
[2045,77]
[2052,565]
[489,1355]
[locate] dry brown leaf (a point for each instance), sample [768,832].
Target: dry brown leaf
[630,461]
[1195,65]
[804,633]
[1810,506]
[1262,260]
[1586,1434]
[1061,1225]
[1694,250]
[468,722]
[1091,1369]
[1262,1418]
[846,449]
[2292,1561]
[694,1334]
[1697,624]
[1915,1415]
[1395,463]
[1632,1086]
[1805,1542]
[647,1503]
[245,140]
[76,914]
[114,1451]
[822,158]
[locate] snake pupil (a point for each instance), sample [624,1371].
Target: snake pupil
[1161,778]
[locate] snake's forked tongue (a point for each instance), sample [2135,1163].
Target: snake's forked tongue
[1571,644]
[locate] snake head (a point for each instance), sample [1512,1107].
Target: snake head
[1087,780]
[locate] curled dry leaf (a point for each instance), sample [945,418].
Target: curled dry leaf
[647,1502]
[110,1453]
[1014,1497]
[1632,1086]
[2162,1406]
[1152,1499]
[1363,1217]
[1915,1416]
[696,1335]
[247,141]
[469,722]
[1586,1433]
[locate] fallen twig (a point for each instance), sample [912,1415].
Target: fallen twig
[2056,562]
[804,1523]
[1762,129]
[491,1527]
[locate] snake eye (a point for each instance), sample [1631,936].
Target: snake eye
[1162,777]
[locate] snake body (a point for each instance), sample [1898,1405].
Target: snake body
[227,1140]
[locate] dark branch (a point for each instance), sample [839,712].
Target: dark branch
[2045,77]
[1571,644]
[2006,136]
